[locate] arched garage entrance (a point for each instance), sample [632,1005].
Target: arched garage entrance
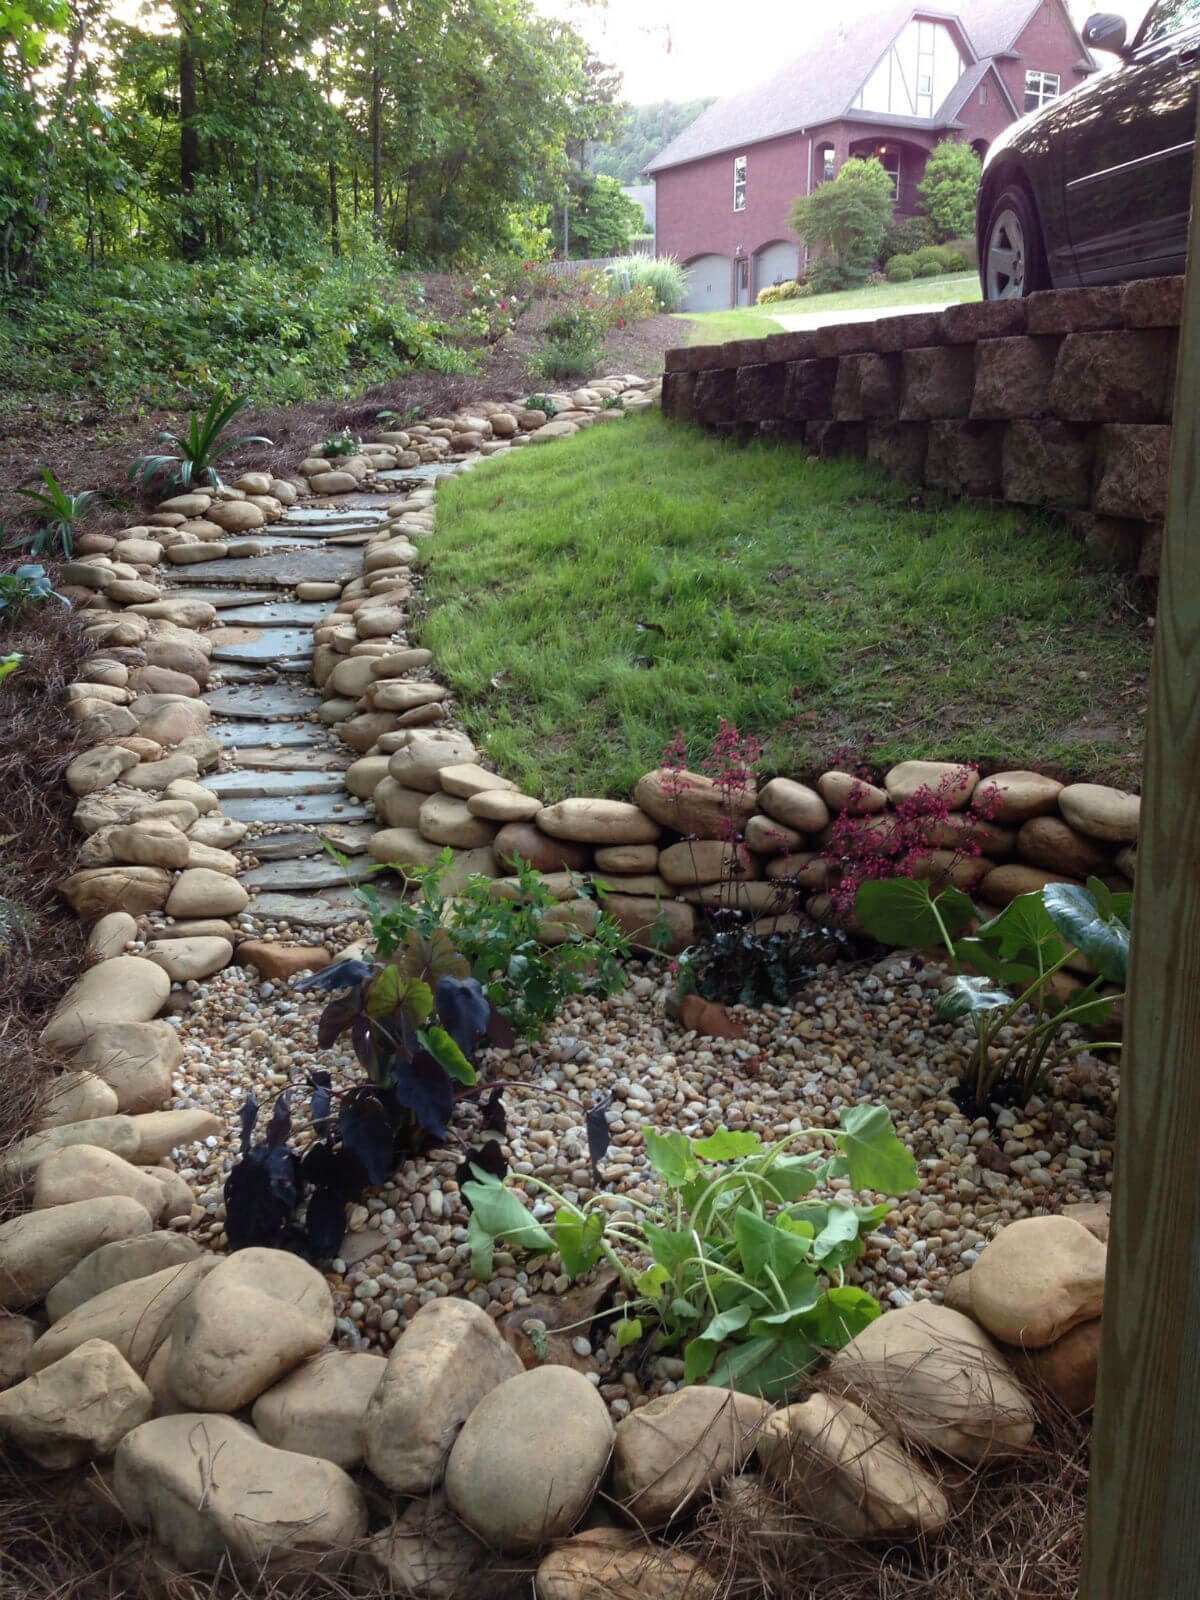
[709,284]
[777,262]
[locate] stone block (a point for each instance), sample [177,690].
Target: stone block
[827,439]
[867,388]
[1074,310]
[899,448]
[678,394]
[1113,377]
[964,458]
[808,395]
[675,360]
[1152,303]
[1013,377]
[1111,541]
[908,332]
[715,395]
[1132,472]
[983,319]
[938,381]
[1048,463]
[844,339]
[759,391]
[797,346]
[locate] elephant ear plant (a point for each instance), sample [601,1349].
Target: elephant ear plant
[738,1263]
[1009,964]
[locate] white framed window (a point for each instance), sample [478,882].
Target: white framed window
[890,162]
[828,163]
[739,183]
[1041,88]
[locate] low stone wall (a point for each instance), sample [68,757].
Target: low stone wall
[1061,401]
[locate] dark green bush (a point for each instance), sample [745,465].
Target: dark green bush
[905,237]
[901,269]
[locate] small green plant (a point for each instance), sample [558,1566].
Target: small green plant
[573,344]
[9,664]
[344,443]
[399,419]
[775,292]
[200,448]
[63,511]
[542,403]
[498,940]
[613,402]
[25,587]
[1025,947]
[734,1263]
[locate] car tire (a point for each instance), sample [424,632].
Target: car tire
[1014,261]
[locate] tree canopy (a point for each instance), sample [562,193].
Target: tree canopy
[845,220]
[643,132]
[235,127]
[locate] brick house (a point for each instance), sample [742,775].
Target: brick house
[892,84]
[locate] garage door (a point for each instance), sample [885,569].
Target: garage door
[775,263]
[708,284]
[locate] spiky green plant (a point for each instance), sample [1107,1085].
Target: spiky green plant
[62,510]
[200,448]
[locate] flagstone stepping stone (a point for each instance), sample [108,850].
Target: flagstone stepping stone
[325,516]
[284,846]
[262,702]
[253,785]
[426,473]
[262,646]
[222,599]
[327,910]
[294,735]
[308,873]
[350,838]
[282,568]
[273,613]
[299,758]
[298,808]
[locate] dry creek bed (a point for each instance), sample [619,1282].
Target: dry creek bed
[855,1033]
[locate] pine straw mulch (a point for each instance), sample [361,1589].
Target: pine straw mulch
[42,952]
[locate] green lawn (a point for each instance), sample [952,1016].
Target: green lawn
[754,322]
[587,599]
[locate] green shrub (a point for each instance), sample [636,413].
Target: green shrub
[950,188]
[956,261]
[929,269]
[775,292]
[906,237]
[662,275]
[900,269]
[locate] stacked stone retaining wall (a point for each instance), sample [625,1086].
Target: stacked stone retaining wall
[1061,401]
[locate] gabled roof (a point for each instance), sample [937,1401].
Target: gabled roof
[819,87]
[966,86]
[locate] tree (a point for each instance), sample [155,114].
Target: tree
[603,218]
[627,154]
[950,188]
[846,220]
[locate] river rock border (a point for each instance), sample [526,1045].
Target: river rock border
[124,1340]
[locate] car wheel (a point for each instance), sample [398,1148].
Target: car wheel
[1013,262]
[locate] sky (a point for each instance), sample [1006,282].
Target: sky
[715,47]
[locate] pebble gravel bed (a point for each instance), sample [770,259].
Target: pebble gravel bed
[855,1033]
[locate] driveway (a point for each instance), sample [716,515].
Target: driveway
[800,321]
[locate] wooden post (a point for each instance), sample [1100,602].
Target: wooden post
[1143,1527]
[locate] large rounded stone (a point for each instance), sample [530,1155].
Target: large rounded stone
[691,803]
[159,1133]
[837,1465]
[77,1410]
[444,820]
[842,791]
[85,1172]
[933,1376]
[395,805]
[504,805]
[184,959]
[1038,1278]
[1053,845]
[40,1247]
[1066,1370]
[320,1409]
[627,858]
[426,1551]
[109,936]
[261,1313]
[119,1262]
[603,822]
[529,1459]
[351,678]
[77,1097]
[1014,878]
[200,892]
[115,1133]
[642,920]
[615,1564]
[95,891]
[97,768]
[402,847]
[447,1360]
[1017,796]
[468,777]
[794,804]
[148,842]
[135,1059]
[236,516]
[135,1316]
[948,778]
[525,841]
[417,765]
[680,1445]
[363,777]
[694,861]
[209,1491]
[1101,812]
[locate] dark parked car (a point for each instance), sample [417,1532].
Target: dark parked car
[1095,187]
